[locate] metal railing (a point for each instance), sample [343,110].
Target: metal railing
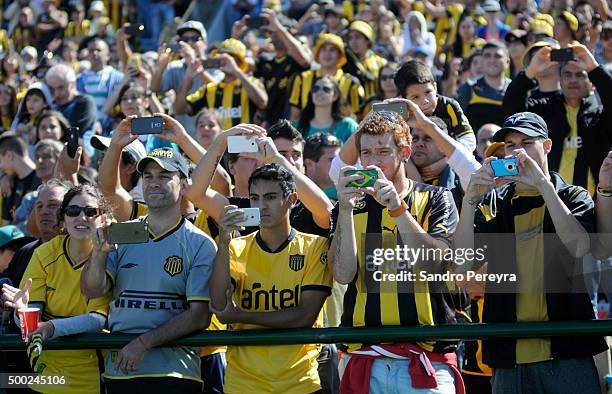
[337,335]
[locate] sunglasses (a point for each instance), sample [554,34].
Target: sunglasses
[191,39]
[387,77]
[325,89]
[323,139]
[74,210]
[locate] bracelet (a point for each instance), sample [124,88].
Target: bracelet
[398,211]
[604,193]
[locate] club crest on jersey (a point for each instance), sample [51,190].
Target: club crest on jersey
[359,205]
[174,265]
[296,262]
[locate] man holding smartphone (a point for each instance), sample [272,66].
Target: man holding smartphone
[160,288]
[276,277]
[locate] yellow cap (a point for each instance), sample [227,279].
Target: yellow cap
[334,40]
[363,28]
[235,48]
[491,149]
[272,4]
[546,18]
[540,26]
[542,42]
[571,20]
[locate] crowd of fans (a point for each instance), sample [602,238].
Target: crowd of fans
[478,81]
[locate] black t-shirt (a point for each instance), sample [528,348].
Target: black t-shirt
[301,218]
[80,112]
[277,74]
[46,38]
[20,188]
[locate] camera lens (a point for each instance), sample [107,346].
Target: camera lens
[510,166]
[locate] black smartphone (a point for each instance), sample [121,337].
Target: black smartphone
[128,233]
[211,63]
[72,139]
[562,55]
[256,22]
[147,125]
[173,48]
[134,30]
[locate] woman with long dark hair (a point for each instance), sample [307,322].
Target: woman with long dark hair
[466,41]
[323,114]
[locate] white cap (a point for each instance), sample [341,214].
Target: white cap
[97,6]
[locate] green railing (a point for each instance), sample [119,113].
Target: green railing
[337,335]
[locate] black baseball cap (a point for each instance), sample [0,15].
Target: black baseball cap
[526,123]
[166,158]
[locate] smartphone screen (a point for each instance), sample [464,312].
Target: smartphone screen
[147,125]
[72,141]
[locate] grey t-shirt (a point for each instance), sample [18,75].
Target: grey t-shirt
[152,283]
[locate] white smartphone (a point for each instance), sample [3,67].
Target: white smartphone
[241,144]
[252,217]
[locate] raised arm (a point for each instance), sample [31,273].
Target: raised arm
[95,282]
[294,47]
[256,92]
[109,179]
[602,247]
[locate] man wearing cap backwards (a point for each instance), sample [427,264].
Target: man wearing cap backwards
[11,239]
[169,75]
[551,221]
[277,72]
[578,123]
[538,80]
[243,93]
[329,53]
[160,287]
[362,61]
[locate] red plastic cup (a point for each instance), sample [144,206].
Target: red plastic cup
[29,318]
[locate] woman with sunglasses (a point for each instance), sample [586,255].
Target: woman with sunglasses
[53,285]
[323,114]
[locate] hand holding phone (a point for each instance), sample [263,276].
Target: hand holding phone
[211,63]
[242,144]
[252,217]
[562,55]
[147,125]
[72,138]
[368,179]
[128,233]
[397,107]
[256,22]
[134,30]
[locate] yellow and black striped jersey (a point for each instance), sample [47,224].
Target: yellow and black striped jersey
[230,100]
[374,303]
[366,71]
[450,112]
[350,89]
[75,29]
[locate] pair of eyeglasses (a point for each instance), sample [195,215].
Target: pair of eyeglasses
[387,77]
[325,89]
[191,39]
[75,210]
